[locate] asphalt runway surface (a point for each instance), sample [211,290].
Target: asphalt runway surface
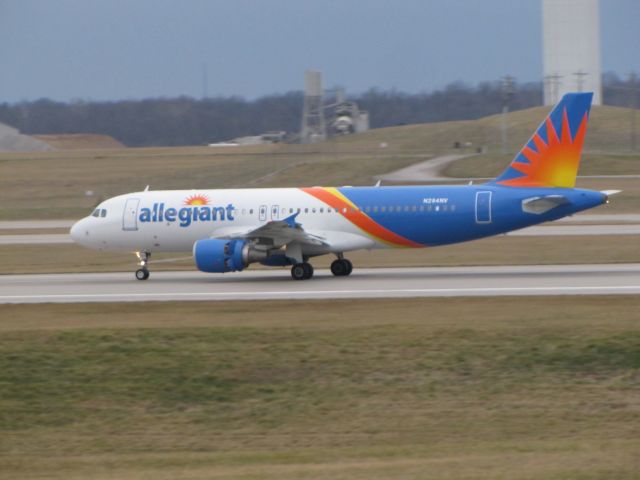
[363,283]
[542,230]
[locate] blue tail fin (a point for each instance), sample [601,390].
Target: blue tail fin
[552,156]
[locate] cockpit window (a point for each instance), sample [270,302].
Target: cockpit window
[103,213]
[96,213]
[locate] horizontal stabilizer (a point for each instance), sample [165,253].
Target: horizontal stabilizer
[608,193]
[540,205]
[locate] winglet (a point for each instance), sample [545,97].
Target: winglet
[291,220]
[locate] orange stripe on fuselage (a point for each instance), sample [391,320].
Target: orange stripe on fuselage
[335,199]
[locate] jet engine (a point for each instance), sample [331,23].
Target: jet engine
[220,256]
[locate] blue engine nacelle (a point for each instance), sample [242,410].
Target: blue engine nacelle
[219,256]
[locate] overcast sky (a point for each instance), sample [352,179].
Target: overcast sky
[130,49]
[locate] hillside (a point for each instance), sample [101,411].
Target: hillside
[31,191]
[79,141]
[609,131]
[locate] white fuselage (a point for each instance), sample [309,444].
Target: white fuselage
[163,221]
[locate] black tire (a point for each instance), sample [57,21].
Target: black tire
[142,274]
[349,266]
[298,271]
[339,268]
[308,269]
[302,271]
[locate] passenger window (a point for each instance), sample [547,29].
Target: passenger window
[383,209]
[322,210]
[306,210]
[453,208]
[413,208]
[251,211]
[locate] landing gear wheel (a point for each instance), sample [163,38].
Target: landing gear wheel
[308,272]
[142,274]
[349,266]
[302,271]
[341,267]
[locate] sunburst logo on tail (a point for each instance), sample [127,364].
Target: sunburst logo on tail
[197,200]
[553,163]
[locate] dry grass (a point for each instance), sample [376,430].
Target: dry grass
[79,141]
[53,184]
[609,131]
[513,388]
[490,166]
[501,250]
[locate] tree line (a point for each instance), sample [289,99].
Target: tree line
[189,121]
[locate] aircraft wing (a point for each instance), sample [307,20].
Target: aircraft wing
[275,233]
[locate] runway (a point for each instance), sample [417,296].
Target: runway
[537,231]
[363,283]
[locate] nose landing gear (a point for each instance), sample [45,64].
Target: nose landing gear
[143,272]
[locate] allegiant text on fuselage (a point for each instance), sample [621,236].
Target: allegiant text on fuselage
[186,215]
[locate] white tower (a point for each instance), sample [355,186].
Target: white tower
[313,126]
[571,49]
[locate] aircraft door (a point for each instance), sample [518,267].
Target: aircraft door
[130,214]
[483,207]
[275,212]
[262,213]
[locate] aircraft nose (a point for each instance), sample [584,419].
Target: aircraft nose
[79,231]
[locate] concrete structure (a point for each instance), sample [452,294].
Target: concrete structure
[313,125]
[347,118]
[571,49]
[482,281]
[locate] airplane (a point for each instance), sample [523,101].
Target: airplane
[227,230]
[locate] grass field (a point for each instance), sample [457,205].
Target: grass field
[501,250]
[513,388]
[490,166]
[53,184]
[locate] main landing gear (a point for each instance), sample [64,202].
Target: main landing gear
[341,267]
[302,271]
[143,272]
